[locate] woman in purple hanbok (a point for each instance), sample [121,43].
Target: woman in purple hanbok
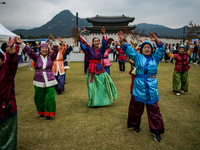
[44,79]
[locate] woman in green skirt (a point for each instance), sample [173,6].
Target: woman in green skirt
[101,89]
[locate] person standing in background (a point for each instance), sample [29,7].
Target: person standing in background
[173,49]
[195,53]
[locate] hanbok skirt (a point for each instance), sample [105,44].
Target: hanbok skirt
[8,134]
[101,91]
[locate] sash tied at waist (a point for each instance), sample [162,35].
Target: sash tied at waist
[91,68]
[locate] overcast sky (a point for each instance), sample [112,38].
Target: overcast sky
[170,13]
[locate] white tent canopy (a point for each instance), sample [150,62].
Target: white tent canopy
[5,34]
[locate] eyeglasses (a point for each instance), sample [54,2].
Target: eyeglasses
[146,47]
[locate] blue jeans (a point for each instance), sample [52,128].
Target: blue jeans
[194,57]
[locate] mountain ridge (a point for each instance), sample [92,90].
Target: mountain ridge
[62,24]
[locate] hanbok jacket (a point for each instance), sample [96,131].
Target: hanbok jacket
[145,83]
[181,62]
[58,66]
[7,93]
[95,55]
[44,76]
[105,60]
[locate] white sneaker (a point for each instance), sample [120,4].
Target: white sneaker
[178,94]
[182,91]
[194,63]
[197,65]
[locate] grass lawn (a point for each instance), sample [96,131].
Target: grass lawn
[76,126]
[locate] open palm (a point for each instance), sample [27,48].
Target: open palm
[152,36]
[11,41]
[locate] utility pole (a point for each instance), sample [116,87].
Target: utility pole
[183,35]
[77,26]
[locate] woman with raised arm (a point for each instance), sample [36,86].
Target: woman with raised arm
[180,77]
[145,85]
[44,79]
[8,108]
[101,90]
[58,66]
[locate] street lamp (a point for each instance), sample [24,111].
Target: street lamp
[2,2]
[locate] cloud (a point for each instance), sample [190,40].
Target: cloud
[170,13]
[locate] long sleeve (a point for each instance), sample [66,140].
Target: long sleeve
[170,55]
[53,55]
[108,50]
[84,44]
[12,65]
[190,51]
[117,48]
[130,52]
[68,50]
[159,52]
[29,51]
[17,48]
[64,48]
[104,44]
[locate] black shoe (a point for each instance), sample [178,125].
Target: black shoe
[137,130]
[48,118]
[58,93]
[41,116]
[157,137]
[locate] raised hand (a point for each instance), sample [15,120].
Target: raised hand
[190,42]
[52,38]
[11,42]
[60,39]
[153,37]
[18,40]
[48,40]
[73,41]
[140,40]
[120,35]
[103,30]
[82,32]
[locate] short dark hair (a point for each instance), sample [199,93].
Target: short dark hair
[3,47]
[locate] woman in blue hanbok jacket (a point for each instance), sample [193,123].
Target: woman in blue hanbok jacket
[145,85]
